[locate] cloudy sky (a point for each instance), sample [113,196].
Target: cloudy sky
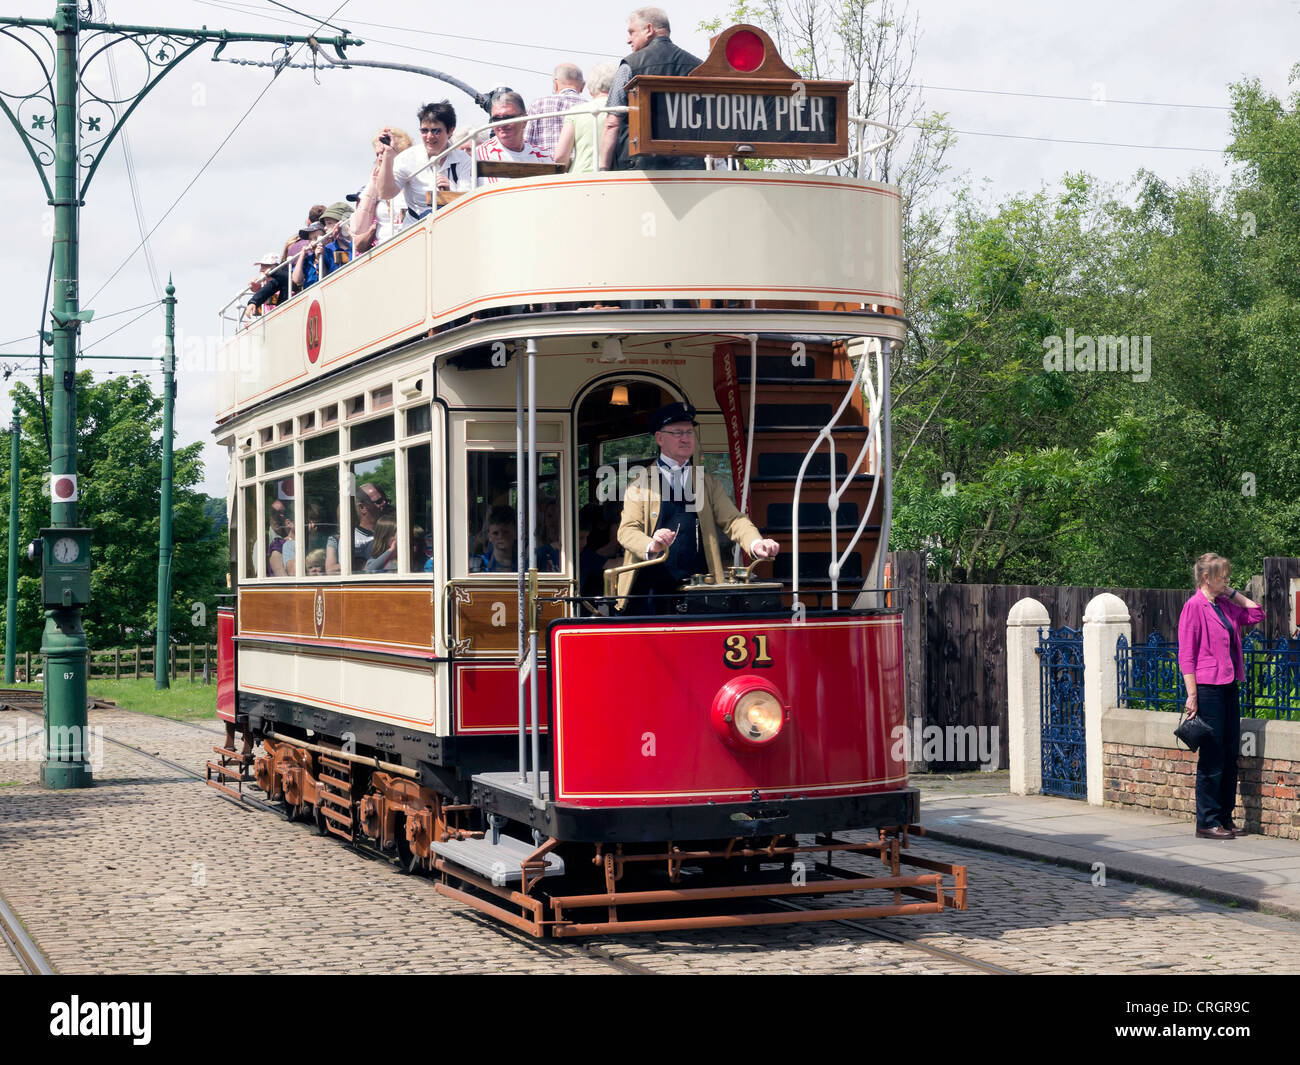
[1036,89]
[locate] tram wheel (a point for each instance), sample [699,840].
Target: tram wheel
[319,818]
[407,860]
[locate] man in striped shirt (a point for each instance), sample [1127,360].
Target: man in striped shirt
[548,111]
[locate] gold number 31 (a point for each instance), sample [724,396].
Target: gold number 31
[737,652]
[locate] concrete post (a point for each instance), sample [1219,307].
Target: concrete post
[1104,619]
[1024,683]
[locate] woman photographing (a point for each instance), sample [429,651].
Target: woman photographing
[1209,656]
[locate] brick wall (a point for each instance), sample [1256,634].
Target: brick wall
[1147,774]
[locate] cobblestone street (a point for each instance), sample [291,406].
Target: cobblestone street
[150,871]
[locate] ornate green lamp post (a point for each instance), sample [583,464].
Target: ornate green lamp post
[66,128]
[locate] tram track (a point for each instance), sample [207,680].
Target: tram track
[879,933]
[33,961]
[21,945]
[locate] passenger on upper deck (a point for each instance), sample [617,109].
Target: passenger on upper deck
[544,129]
[410,174]
[314,259]
[652,53]
[508,144]
[376,219]
[679,509]
[580,136]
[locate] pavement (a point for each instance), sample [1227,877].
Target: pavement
[977,810]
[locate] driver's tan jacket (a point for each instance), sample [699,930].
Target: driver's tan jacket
[641,513]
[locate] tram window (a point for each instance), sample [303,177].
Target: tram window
[251,569]
[374,517]
[381,398]
[418,420]
[367,434]
[320,447]
[281,545]
[280,458]
[329,415]
[307,422]
[320,489]
[493,533]
[250,466]
[419,496]
[718,465]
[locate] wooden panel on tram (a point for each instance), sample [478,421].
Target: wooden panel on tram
[384,617]
[486,618]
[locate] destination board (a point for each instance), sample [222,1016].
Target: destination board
[763,118]
[790,117]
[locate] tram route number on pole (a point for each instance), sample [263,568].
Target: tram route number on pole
[63,487]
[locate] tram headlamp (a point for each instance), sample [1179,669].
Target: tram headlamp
[748,713]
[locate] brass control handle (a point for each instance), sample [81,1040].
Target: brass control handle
[742,574]
[612,575]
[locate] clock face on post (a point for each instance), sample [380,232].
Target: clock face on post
[66,549]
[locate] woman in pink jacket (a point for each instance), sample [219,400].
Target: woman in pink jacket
[1209,656]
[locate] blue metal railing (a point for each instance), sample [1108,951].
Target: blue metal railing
[1149,677]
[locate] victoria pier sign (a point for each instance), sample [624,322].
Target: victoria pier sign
[743,100]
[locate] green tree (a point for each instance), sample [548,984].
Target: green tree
[119,468]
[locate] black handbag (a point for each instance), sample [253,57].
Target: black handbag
[1193,732]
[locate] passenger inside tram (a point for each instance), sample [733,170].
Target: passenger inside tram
[383,551]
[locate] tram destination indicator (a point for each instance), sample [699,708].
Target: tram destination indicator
[787,118]
[768,118]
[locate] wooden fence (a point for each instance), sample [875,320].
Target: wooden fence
[197,661]
[955,636]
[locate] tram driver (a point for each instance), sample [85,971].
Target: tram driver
[679,508]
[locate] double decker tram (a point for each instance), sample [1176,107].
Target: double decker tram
[430,654]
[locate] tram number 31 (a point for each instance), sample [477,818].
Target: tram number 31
[739,651]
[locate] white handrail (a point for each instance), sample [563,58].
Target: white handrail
[863,148]
[833,501]
[876,403]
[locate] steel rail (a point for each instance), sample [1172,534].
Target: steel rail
[15,937]
[893,937]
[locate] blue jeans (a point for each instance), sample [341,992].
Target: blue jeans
[1216,771]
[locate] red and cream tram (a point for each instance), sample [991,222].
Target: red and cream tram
[548,753]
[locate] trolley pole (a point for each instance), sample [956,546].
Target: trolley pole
[11,600]
[162,641]
[51,130]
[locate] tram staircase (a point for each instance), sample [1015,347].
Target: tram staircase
[792,405]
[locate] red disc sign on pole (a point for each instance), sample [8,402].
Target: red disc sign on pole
[63,487]
[315,331]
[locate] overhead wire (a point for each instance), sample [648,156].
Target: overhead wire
[208,162]
[132,322]
[124,139]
